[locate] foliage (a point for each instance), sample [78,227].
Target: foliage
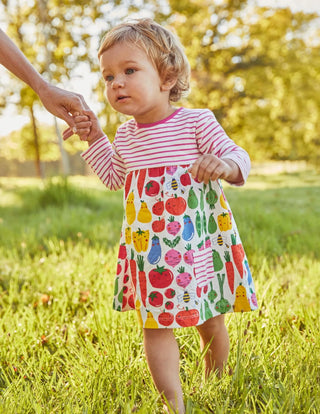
[19,145]
[63,349]
[256,68]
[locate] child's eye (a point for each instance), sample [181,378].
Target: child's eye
[130,71]
[109,78]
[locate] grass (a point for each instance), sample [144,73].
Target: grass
[63,349]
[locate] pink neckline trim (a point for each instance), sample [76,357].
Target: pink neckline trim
[162,121]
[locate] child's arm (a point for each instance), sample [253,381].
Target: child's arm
[209,167]
[219,157]
[101,156]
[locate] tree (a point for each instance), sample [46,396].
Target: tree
[255,68]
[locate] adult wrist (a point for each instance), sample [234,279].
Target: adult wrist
[40,85]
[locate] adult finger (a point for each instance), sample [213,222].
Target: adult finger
[68,133]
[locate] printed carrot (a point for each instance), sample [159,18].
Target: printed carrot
[140,182]
[133,269]
[229,270]
[238,254]
[142,279]
[127,184]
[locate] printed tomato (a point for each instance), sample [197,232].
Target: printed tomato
[176,205]
[160,277]
[152,188]
[170,293]
[155,299]
[165,318]
[187,317]
[158,208]
[169,305]
[158,225]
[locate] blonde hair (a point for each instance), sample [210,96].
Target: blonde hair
[161,46]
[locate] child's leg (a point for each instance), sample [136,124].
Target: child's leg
[162,354]
[214,331]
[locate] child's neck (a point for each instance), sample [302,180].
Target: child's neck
[158,119]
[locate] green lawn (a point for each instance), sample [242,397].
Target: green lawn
[63,349]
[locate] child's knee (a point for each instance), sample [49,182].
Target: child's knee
[212,326]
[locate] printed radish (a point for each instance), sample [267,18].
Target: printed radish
[172,257]
[173,227]
[184,278]
[188,255]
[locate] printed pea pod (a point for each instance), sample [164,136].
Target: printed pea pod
[198,224]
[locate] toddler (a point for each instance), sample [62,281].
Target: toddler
[181,262]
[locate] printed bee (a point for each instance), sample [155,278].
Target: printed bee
[186,297]
[220,240]
[173,184]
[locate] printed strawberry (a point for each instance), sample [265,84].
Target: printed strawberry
[155,299]
[188,255]
[184,278]
[160,277]
[122,251]
[152,188]
[173,227]
[185,179]
[199,289]
[131,301]
[170,293]
[207,242]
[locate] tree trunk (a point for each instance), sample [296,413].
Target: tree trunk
[43,13]
[65,162]
[39,169]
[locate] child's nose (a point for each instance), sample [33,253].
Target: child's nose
[118,82]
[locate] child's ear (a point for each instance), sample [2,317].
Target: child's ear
[168,83]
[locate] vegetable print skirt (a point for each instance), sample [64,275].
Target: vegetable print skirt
[181,260]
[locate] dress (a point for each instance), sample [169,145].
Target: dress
[181,260]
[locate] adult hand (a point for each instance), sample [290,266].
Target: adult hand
[61,103]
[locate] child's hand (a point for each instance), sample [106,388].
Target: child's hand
[87,127]
[209,167]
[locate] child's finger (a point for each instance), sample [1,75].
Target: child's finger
[193,170]
[83,125]
[81,118]
[83,133]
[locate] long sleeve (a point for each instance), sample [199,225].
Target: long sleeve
[212,139]
[105,161]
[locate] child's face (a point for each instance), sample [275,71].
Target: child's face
[133,84]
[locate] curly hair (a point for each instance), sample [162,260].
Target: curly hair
[161,46]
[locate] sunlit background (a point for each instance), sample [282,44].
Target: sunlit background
[256,65]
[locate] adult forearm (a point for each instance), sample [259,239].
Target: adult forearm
[15,61]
